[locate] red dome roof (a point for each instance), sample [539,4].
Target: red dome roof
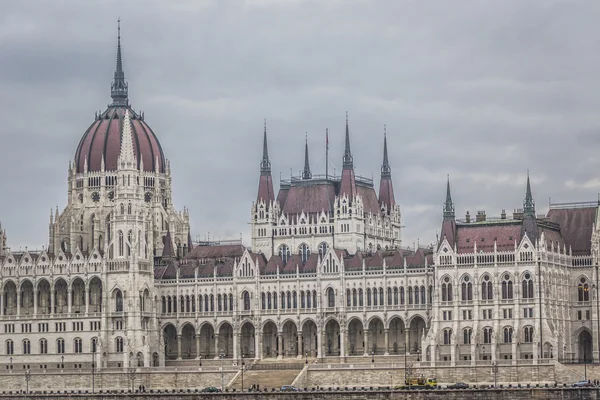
[103,138]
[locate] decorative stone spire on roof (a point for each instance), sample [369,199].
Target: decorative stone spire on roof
[119,87]
[449,205]
[127,156]
[265,164]
[306,174]
[348,162]
[528,204]
[386,170]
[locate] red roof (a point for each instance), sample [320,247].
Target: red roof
[386,193]
[217,251]
[348,184]
[103,138]
[369,197]
[265,189]
[310,198]
[504,234]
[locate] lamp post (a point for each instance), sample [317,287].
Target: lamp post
[93,368]
[242,354]
[495,371]
[221,356]
[306,358]
[27,378]
[200,358]
[372,357]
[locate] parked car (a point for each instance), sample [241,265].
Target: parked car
[289,388]
[583,384]
[459,385]
[211,389]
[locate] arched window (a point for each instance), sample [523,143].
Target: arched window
[274,300]
[467,334]
[487,335]
[129,242]
[487,292]
[284,253]
[466,289]
[360,297]
[323,249]
[119,344]
[118,301]
[77,347]
[294,299]
[507,288]
[94,345]
[43,346]
[262,301]
[395,296]
[122,209]
[389,296]
[121,247]
[302,299]
[528,334]
[402,296]
[423,294]
[381,296]
[10,347]
[447,336]
[527,288]
[246,297]
[60,346]
[268,300]
[416,295]
[308,302]
[583,290]
[220,303]
[369,297]
[26,346]
[304,252]
[508,332]
[446,289]
[330,297]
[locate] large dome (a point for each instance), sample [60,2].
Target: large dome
[103,139]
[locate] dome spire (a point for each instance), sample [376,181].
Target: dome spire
[386,170]
[528,204]
[306,174]
[449,205]
[265,164]
[119,87]
[347,161]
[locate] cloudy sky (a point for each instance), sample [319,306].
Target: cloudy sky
[480,90]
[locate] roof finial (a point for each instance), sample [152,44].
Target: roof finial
[265,164]
[386,170]
[118,87]
[348,160]
[449,205]
[306,174]
[528,204]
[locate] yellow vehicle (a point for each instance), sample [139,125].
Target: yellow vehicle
[419,383]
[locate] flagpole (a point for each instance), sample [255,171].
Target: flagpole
[326,153]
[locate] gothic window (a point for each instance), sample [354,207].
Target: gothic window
[331,297]
[118,301]
[283,301]
[423,295]
[60,346]
[289,300]
[375,297]
[528,333]
[26,346]
[302,299]
[262,301]
[304,252]
[322,249]
[395,296]
[119,344]
[200,297]
[467,334]
[77,347]
[164,304]
[447,336]
[284,253]
[246,298]
[10,347]
[122,209]
[219,302]
[294,299]
[212,302]
[410,295]
[81,223]
[487,335]
[507,288]
[381,299]
[230,302]
[348,298]
[121,244]
[508,332]
[527,288]
[129,208]
[43,346]
[583,291]
[129,242]
[416,295]
[389,299]
[274,300]
[368,296]
[446,290]
[466,289]
[94,344]
[354,298]
[402,301]
[486,289]
[268,300]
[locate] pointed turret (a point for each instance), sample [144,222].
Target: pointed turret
[528,204]
[348,184]
[306,174]
[448,205]
[127,155]
[168,246]
[448,223]
[386,189]
[265,185]
[118,87]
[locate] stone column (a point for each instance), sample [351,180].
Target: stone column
[320,344]
[280,345]
[1,303]
[88,294]
[514,351]
[343,334]
[198,346]
[407,341]
[366,342]
[217,352]
[18,301]
[35,301]
[70,300]
[52,300]
[300,351]
[387,341]
[258,345]
[236,342]
[179,346]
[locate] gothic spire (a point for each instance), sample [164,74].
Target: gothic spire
[265,164]
[528,204]
[306,174]
[118,87]
[386,170]
[449,205]
[348,161]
